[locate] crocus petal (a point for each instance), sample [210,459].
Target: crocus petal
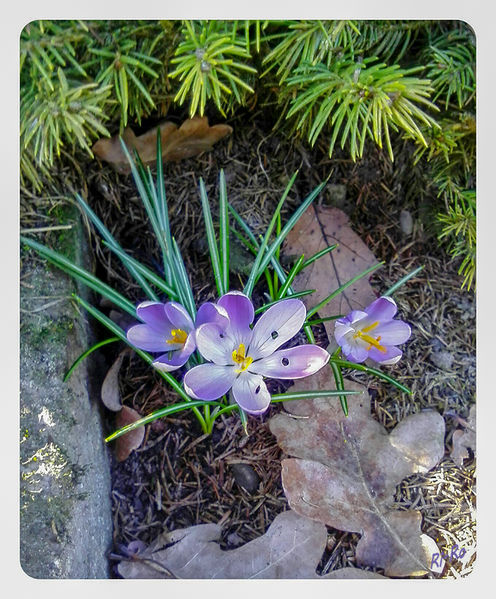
[342,328]
[393,332]
[276,326]
[178,316]
[250,393]
[354,350]
[190,343]
[153,314]
[215,344]
[293,363]
[390,356]
[209,381]
[210,312]
[354,316]
[382,309]
[147,338]
[173,360]
[241,314]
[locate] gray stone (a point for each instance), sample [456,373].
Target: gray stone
[245,476]
[335,195]
[65,519]
[234,540]
[442,359]
[406,222]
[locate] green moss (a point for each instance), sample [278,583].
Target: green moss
[67,242]
[46,335]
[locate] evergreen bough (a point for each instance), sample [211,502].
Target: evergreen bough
[347,83]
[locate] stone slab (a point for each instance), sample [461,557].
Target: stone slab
[65,506]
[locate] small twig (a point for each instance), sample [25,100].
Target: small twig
[46,229]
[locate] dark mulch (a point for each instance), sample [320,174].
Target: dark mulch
[179,477]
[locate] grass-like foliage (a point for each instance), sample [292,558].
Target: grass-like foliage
[176,284]
[266,270]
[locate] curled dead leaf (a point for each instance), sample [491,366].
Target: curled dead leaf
[110,393]
[193,137]
[133,439]
[318,228]
[345,471]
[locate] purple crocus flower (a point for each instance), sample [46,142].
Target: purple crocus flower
[168,329]
[372,333]
[239,357]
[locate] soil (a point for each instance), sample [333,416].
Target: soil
[179,477]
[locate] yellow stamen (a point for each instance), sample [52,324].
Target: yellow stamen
[361,334]
[370,327]
[239,357]
[178,336]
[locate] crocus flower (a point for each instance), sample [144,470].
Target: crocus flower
[239,357]
[168,329]
[372,333]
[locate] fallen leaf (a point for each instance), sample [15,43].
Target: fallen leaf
[133,439]
[110,149]
[291,548]
[110,393]
[318,228]
[347,470]
[463,440]
[193,137]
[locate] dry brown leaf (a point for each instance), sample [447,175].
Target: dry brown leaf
[133,439]
[110,149]
[110,393]
[291,548]
[463,440]
[347,470]
[193,137]
[318,228]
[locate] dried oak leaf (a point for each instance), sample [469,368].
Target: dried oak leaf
[347,468]
[110,393]
[110,149]
[291,548]
[463,440]
[193,137]
[133,439]
[318,228]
